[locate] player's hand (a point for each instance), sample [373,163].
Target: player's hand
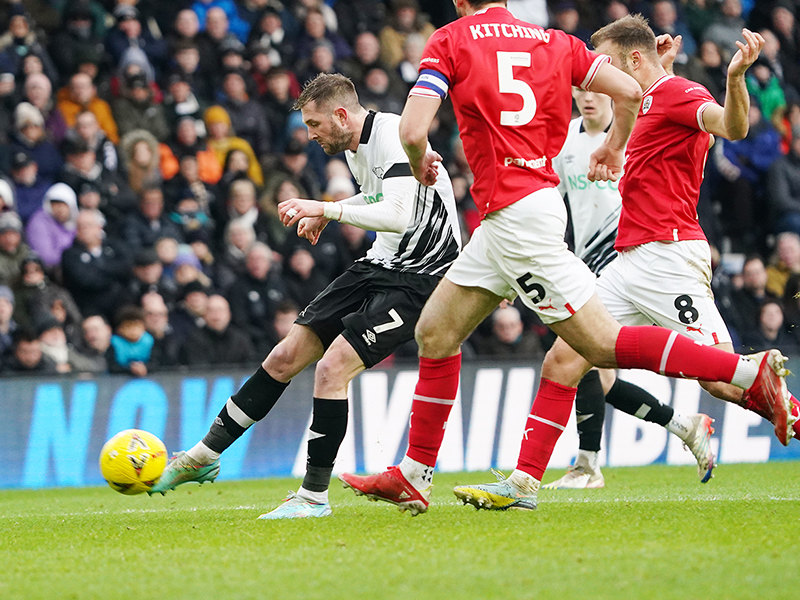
[668,48]
[292,210]
[311,228]
[747,53]
[428,170]
[605,164]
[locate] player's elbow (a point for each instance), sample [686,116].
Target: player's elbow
[737,132]
[630,94]
[412,133]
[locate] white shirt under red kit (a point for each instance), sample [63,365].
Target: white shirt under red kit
[664,164]
[509,65]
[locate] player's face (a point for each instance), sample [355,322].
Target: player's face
[591,105]
[325,128]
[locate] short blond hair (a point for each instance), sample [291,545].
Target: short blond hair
[328,88]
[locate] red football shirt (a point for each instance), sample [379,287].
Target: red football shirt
[664,165]
[510,83]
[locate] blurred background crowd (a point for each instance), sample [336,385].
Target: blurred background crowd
[145,146]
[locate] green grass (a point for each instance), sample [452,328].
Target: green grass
[653,532]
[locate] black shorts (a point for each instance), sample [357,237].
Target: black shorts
[375,309]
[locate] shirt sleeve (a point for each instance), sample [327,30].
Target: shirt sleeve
[393,213]
[435,68]
[689,104]
[585,63]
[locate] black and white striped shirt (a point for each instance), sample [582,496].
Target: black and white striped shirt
[431,240]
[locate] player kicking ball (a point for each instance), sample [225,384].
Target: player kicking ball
[511,83]
[362,316]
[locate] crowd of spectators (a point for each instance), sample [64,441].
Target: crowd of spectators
[145,146]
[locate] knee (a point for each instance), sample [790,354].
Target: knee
[329,373]
[563,365]
[280,363]
[435,341]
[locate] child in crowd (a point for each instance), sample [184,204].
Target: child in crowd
[131,344]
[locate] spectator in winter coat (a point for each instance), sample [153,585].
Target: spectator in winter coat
[222,140]
[94,269]
[39,92]
[247,117]
[783,185]
[218,342]
[12,249]
[7,323]
[30,189]
[135,109]
[80,95]
[128,32]
[88,129]
[30,136]
[147,225]
[51,229]
[37,295]
[255,296]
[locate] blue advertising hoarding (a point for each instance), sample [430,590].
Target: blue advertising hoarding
[51,430]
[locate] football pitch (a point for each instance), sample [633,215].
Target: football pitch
[653,532]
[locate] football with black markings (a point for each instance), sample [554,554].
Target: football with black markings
[132,461]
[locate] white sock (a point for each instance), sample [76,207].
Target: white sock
[318,497]
[746,372]
[588,459]
[680,426]
[525,483]
[201,455]
[416,473]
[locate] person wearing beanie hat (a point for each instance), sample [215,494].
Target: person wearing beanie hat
[30,136]
[12,249]
[190,311]
[6,196]
[7,324]
[222,139]
[130,32]
[51,229]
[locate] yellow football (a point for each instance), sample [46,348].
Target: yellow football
[132,461]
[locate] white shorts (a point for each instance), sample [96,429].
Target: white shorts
[666,284]
[520,250]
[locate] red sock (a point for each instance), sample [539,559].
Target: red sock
[549,415]
[672,354]
[434,397]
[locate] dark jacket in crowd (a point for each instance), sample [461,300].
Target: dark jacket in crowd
[253,303]
[97,283]
[206,346]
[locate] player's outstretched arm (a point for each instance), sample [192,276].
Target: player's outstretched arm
[415,122]
[606,162]
[731,121]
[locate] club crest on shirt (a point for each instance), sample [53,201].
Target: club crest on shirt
[378,172]
[646,104]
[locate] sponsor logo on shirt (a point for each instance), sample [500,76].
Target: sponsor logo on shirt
[533,163]
[429,59]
